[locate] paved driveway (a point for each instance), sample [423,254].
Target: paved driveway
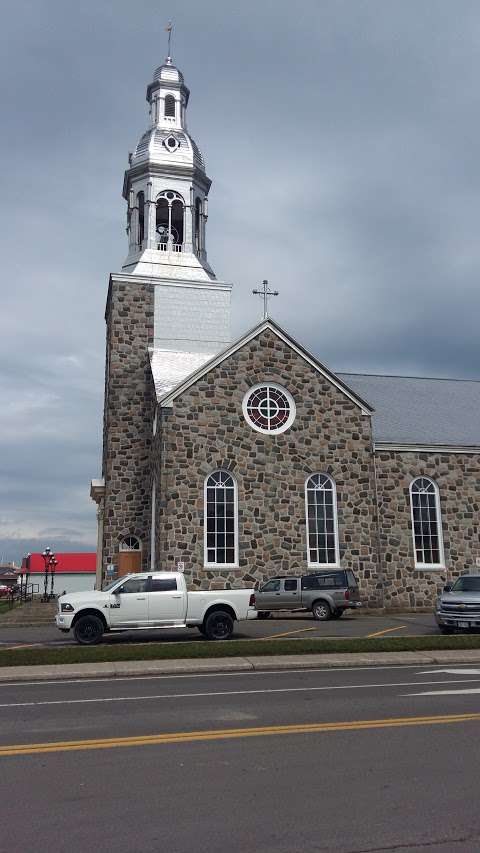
[295,625]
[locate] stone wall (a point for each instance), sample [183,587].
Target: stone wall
[458,480]
[129,410]
[205,430]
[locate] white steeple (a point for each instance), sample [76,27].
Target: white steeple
[166,189]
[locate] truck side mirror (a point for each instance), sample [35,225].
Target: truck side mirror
[447,587]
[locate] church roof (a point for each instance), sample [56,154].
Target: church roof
[415,410]
[168,396]
[406,410]
[151,148]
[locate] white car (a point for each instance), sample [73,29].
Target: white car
[152,600]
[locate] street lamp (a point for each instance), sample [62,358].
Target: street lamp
[49,563]
[25,571]
[53,567]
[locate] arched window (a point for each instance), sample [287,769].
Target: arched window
[426,523]
[220,520]
[141,218]
[169,106]
[322,525]
[197,240]
[169,220]
[130,543]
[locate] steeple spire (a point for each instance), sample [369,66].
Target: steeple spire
[169,29]
[166,187]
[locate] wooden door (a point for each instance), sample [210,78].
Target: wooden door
[128,562]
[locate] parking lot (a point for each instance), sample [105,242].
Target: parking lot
[295,625]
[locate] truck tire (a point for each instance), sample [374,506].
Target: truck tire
[88,630]
[218,625]
[445,629]
[321,610]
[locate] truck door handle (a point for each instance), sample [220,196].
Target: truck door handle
[141,598]
[176,596]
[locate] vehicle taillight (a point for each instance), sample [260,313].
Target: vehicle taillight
[252,600]
[347,594]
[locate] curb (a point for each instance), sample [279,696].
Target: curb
[262,663]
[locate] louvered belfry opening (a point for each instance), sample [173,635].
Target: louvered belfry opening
[141,218]
[170,106]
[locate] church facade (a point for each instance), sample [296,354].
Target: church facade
[237,461]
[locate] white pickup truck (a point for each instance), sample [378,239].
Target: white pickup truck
[152,600]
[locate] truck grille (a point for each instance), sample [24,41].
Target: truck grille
[460,609]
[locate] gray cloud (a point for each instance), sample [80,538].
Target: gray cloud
[342,139]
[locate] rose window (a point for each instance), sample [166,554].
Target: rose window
[269,408]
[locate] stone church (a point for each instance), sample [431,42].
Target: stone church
[236,461]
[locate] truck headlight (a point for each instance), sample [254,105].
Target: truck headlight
[66,608]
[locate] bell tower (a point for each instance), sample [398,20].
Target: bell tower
[166,188]
[167,314]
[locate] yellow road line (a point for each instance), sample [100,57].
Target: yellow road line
[286,634]
[386,631]
[228,734]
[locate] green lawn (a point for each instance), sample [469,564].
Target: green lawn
[231,648]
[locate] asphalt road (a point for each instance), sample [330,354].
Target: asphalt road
[293,625]
[348,761]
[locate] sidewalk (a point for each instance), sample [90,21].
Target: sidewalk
[126,669]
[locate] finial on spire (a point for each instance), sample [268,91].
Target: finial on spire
[265,293]
[168,29]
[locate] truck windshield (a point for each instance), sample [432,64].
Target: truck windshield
[110,585]
[467,584]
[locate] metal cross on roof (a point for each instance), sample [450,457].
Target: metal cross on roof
[168,29]
[265,293]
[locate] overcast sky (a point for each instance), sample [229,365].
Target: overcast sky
[343,140]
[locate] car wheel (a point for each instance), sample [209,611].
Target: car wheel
[444,629]
[321,611]
[218,625]
[263,614]
[88,630]
[337,614]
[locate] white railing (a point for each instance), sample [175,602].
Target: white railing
[171,247]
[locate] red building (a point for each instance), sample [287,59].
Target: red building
[75,572]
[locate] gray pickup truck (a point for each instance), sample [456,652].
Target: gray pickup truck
[458,606]
[326,594]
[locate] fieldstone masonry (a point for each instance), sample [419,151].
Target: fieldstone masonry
[128,416]
[457,477]
[205,430]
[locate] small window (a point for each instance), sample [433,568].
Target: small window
[130,543]
[290,585]
[170,106]
[133,585]
[163,584]
[271,586]
[141,218]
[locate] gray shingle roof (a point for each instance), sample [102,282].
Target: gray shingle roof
[416,410]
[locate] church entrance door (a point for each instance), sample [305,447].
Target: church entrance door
[128,562]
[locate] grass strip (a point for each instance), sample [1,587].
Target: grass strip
[108,652]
